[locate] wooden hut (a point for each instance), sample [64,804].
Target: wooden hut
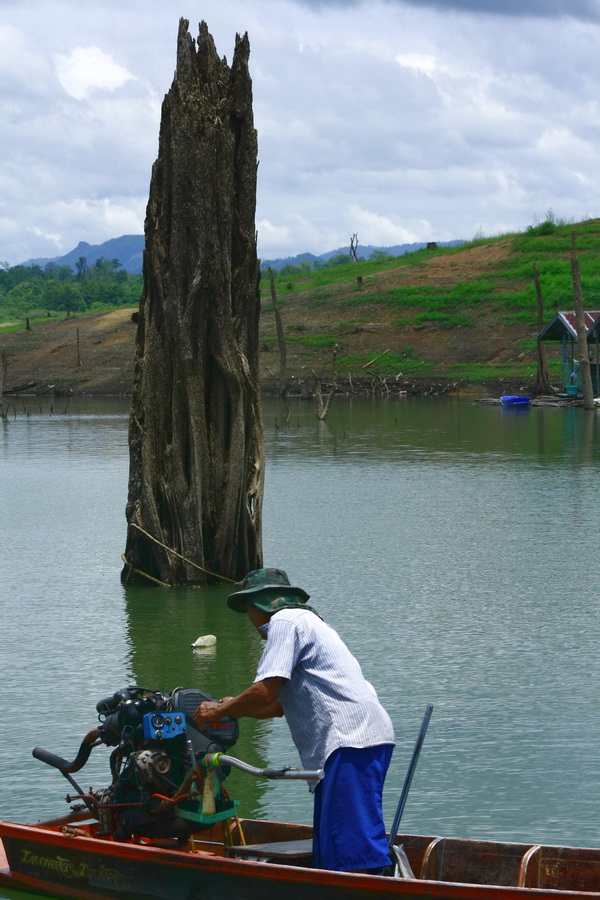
[563,327]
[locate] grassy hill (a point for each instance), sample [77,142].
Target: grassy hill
[449,318]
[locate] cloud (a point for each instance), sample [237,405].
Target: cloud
[86,68]
[61,225]
[382,117]
[381,230]
[587,10]
[547,9]
[422,62]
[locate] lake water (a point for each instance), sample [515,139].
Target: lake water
[454,546]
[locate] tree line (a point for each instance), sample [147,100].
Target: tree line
[340,259]
[37,290]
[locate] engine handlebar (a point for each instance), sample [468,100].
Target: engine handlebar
[57,762]
[51,759]
[287,772]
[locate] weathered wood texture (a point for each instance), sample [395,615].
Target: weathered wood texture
[195,435]
[542,386]
[280,338]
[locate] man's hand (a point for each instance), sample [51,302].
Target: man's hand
[208,711]
[259,701]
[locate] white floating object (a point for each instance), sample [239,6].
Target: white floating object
[205,640]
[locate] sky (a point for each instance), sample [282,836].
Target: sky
[399,121]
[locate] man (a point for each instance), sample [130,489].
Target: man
[307,674]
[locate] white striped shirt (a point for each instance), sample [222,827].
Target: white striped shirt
[326,699]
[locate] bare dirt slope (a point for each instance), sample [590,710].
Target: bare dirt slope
[90,353]
[447,270]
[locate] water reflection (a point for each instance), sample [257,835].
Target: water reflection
[443,430]
[162,625]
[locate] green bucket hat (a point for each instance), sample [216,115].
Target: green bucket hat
[267,589]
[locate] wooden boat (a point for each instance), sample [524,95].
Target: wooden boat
[510,401]
[132,841]
[66,858]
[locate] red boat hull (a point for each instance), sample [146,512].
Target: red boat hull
[41,858]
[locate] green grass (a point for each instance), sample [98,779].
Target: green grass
[313,340]
[527,345]
[388,364]
[35,319]
[431,298]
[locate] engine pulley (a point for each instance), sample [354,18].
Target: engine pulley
[151,764]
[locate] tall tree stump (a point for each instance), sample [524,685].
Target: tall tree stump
[195,434]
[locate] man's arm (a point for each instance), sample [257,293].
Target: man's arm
[272,711]
[259,701]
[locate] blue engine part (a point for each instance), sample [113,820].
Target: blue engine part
[163,726]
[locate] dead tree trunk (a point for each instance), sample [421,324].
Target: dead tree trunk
[195,434]
[321,409]
[582,344]
[280,339]
[3,371]
[542,379]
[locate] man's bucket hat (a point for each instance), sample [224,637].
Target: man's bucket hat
[267,589]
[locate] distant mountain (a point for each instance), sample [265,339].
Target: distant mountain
[129,250]
[279,263]
[365,251]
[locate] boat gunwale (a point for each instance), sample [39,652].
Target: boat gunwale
[45,835]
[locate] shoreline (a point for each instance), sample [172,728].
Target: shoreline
[306,391]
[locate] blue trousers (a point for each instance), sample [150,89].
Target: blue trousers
[348,828]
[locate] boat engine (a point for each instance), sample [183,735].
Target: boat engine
[161,785]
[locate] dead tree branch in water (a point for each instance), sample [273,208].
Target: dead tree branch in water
[322,408]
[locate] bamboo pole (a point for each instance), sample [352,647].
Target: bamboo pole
[542,378]
[584,360]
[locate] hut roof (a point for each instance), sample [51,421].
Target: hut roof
[566,323]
